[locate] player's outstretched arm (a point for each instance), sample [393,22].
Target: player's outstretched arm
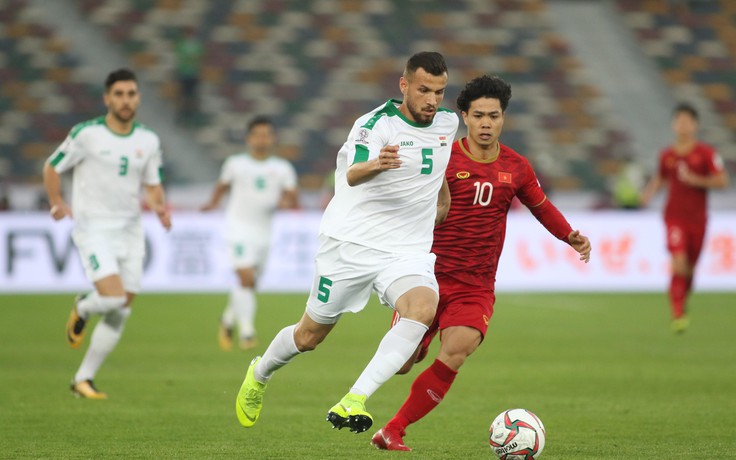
[555,223]
[157,203]
[581,244]
[52,183]
[220,189]
[388,158]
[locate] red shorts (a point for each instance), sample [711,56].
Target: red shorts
[685,238]
[460,305]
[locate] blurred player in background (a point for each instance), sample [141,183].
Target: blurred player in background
[689,167]
[259,183]
[376,234]
[112,157]
[484,176]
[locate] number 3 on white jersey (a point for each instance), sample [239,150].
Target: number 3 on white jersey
[483,193]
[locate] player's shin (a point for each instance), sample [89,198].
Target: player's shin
[105,338]
[427,391]
[278,354]
[243,300]
[678,292]
[395,349]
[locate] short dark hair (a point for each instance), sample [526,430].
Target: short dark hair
[484,86]
[431,61]
[685,107]
[119,75]
[259,120]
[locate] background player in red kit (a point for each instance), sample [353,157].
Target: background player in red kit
[484,177]
[690,167]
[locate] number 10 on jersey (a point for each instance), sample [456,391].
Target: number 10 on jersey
[483,193]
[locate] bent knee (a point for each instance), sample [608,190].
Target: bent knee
[421,312]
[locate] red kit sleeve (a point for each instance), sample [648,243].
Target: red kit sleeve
[533,197]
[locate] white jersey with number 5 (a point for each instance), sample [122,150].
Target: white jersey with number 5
[109,170]
[395,210]
[256,186]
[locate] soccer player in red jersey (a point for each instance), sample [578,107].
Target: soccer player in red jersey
[690,168]
[484,176]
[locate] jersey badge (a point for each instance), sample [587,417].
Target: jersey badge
[462,174]
[139,153]
[504,177]
[362,137]
[443,141]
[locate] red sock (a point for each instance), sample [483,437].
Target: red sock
[678,292]
[688,285]
[426,393]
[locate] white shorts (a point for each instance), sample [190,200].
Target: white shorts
[106,252]
[248,254]
[346,273]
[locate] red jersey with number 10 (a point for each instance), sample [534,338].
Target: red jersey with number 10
[686,203]
[482,192]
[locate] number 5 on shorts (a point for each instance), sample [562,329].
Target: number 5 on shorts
[324,289]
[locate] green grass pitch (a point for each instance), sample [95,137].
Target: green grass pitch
[602,371]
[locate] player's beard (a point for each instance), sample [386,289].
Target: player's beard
[122,118]
[420,117]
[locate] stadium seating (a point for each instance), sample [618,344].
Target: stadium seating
[693,43]
[43,93]
[317,65]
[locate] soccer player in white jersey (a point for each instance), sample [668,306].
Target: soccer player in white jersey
[259,183]
[375,235]
[112,157]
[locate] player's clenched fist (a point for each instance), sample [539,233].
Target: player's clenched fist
[60,211]
[388,158]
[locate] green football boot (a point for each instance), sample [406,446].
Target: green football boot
[350,412]
[249,401]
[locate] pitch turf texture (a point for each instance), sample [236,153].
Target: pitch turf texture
[604,373]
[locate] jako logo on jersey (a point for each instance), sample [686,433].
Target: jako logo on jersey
[504,177]
[462,175]
[407,143]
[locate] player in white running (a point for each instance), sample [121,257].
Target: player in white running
[375,235]
[259,184]
[112,157]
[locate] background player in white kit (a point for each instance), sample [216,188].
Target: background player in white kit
[112,157]
[375,235]
[259,183]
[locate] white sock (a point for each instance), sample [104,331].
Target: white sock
[243,301]
[94,303]
[104,339]
[278,354]
[228,316]
[395,349]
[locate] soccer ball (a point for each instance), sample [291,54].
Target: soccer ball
[517,434]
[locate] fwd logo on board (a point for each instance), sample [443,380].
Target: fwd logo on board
[407,144]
